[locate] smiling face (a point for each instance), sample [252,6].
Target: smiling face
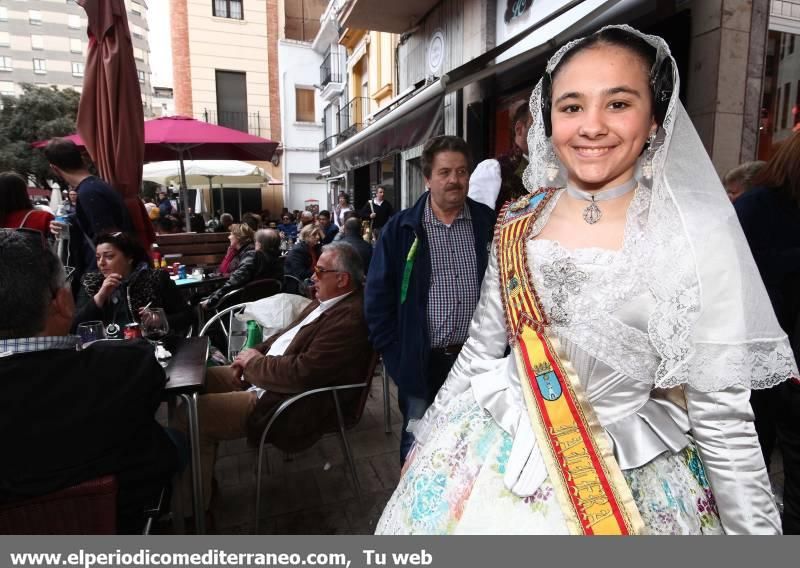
[111,260]
[602,115]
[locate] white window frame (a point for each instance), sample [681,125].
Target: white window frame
[37,42]
[74,22]
[43,69]
[72,45]
[35,17]
[9,60]
[78,69]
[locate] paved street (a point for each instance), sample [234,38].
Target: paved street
[312,492]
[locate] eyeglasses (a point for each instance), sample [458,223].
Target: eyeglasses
[320,271]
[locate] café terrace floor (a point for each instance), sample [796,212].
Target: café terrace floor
[312,492]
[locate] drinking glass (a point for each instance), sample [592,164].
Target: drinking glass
[91,331]
[154,325]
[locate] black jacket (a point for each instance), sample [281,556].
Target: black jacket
[68,416]
[363,248]
[145,285]
[298,261]
[252,265]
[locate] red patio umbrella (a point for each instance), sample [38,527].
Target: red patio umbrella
[110,116]
[184,138]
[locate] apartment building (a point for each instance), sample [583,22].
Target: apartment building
[44,42]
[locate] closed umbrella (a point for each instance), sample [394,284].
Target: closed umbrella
[110,115]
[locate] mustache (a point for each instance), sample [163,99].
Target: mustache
[453,186]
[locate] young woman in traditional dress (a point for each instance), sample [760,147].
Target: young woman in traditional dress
[637,324]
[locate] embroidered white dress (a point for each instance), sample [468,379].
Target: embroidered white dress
[477,468]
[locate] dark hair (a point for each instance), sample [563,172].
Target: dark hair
[269,240]
[521,114]
[346,197]
[324,213]
[166,224]
[352,226]
[347,260]
[782,171]
[442,144]
[661,80]
[251,220]
[126,243]
[13,194]
[64,154]
[30,275]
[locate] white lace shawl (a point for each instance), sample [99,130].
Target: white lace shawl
[713,325]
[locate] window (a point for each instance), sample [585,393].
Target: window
[135,8]
[75,45]
[5,39]
[138,53]
[37,42]
[231,89]
[39,66]
[77,69]
[141,76]
[3,14]
[74,22]
[229,9]
[5,63]
[7,88]
[35,17]
[137,31]
[304,101]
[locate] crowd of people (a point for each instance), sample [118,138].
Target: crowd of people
[586,336]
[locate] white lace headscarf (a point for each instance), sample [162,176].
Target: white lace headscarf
[713,325]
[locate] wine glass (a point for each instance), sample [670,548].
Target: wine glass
[91,331]
[154,326]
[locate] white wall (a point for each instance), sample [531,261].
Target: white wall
[299,67]
[302,187]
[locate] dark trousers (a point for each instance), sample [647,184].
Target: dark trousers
[777,412]
[414,407]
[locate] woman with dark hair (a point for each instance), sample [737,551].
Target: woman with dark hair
[770,218]
[16,209]
[124,285]
[605,384]
[342,207]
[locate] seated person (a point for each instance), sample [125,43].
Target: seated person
[326,345]
[241,246]
[302,257]
[329,229]
[255,261]
[68,416]
[287,227]
[124,285]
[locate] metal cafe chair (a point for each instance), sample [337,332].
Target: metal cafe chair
[344,422]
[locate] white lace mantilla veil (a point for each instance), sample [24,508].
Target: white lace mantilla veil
[713,325]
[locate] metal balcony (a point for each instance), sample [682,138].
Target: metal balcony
[352,117]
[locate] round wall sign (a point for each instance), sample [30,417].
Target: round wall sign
[436,52]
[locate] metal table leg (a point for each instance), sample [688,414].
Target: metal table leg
[197,474]
[177,498]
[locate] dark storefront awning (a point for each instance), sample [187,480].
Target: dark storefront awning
[422,115]
[408,125]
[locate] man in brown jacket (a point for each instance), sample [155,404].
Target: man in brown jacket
[326,345]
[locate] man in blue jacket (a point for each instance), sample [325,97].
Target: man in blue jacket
[425,277]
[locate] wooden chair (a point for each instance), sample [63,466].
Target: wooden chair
[344,422]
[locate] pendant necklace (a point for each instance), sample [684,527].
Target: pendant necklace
[592,214]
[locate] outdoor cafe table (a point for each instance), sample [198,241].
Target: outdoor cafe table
[186,373]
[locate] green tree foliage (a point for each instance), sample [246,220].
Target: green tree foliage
[39,113]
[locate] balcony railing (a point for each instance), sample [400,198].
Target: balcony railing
[324,147]
[331,70]
[251,122]
[352,117]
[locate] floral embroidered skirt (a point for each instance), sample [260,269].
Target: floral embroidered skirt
[454,485]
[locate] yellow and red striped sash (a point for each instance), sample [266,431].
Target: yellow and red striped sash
[588,482]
